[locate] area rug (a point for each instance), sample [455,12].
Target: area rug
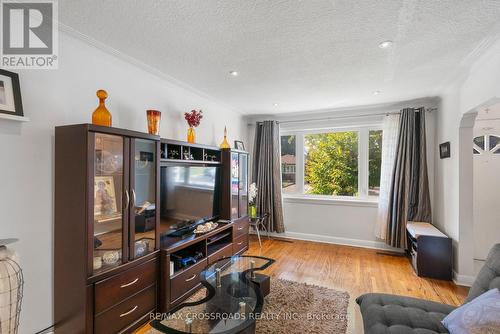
[294,308]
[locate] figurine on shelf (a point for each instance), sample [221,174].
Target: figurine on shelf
[225,143]
[173,154]
[193,119]
[101,116]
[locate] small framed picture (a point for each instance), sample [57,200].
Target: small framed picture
[239,145]
[104,196]
[444,150]
[10,94]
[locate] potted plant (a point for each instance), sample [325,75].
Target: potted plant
[252,195]
[193,119]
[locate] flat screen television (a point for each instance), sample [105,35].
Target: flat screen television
[188,195]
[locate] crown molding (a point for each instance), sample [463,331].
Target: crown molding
[426,102]
[463,69]
[141,65]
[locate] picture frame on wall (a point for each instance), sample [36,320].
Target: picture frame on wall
[444,150]
[10,94]
[239,145]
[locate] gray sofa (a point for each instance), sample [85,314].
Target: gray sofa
[391,314]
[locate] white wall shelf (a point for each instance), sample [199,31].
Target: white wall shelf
[14,118]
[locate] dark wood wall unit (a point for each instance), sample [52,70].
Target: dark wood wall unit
[104,298]
[121,169]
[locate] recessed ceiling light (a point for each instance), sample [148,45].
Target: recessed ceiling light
[376,92]
[385,44]
[275,104]
[234,73]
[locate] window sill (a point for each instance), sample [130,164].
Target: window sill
[373,203]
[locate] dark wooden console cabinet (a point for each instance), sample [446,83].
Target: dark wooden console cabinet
[111,268]
[430,251]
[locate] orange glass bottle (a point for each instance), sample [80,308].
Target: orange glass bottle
[101,116]
[225,143]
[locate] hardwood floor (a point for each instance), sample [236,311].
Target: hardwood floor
[355,270]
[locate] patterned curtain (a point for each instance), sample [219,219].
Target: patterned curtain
[267,174]
[409,198]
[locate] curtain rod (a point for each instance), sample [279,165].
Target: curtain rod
[344,116]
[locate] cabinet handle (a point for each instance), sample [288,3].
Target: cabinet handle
[128,312]
[129,284]
[240,228]
[133,196]
[127,202]
[239,243]
[191,278]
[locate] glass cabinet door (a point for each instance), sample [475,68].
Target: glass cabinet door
[243,187]
[109,202]
[143,189]
[235,177]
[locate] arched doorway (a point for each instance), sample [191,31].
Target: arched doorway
[486,178]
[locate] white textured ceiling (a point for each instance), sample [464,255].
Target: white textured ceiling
[302,55]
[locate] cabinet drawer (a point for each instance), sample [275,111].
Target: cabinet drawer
[115,289]
[186,280]
[224,252]
[240,228]
[240,243]
[127,312]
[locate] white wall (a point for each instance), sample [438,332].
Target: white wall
[66,96]
[480,86]
[346,223]
[445,209]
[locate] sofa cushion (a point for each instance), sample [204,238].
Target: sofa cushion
[390,314]
[489,276]
[482,312]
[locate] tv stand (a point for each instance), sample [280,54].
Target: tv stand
[225,240]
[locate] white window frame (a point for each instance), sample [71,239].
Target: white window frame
[363,163]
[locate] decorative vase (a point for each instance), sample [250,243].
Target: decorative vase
[101,116]
[154,117]
[225,143]
[191,135]
[253,211]
[11,289]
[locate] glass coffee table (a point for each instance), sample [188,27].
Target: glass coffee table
[230,305]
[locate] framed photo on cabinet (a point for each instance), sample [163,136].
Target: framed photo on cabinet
[104,196]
